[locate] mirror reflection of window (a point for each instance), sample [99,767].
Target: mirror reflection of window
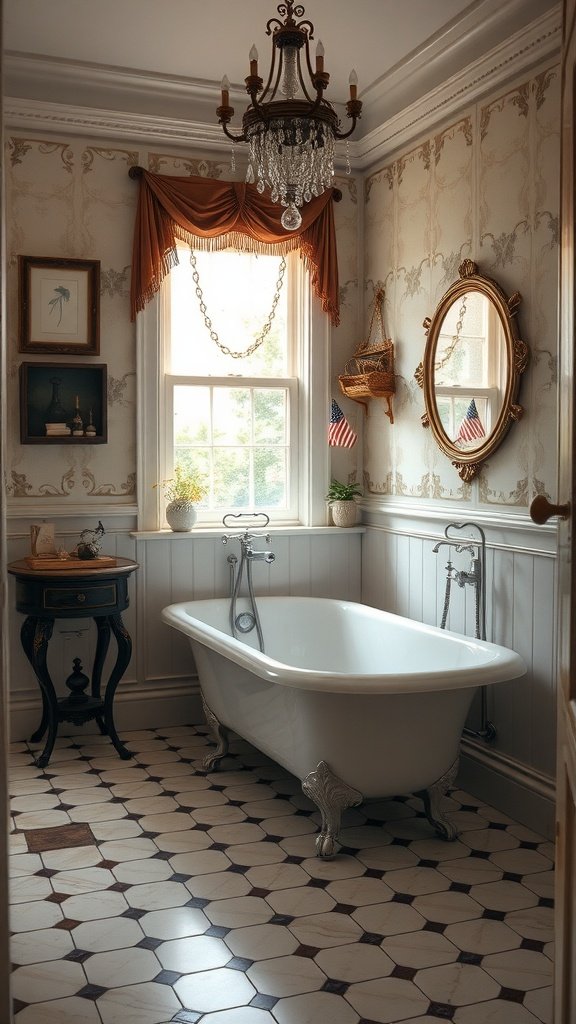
[469,370]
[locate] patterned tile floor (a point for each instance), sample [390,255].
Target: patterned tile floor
[184,896]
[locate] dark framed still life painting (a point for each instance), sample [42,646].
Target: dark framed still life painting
[63,403]
[59,306]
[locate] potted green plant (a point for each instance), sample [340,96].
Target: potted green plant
[340,497]
[182,491]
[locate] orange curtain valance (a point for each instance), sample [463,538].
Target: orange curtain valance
[211,214]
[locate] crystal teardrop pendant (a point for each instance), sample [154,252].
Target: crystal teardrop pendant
[291,218]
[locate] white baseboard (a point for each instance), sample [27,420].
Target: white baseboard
[524,794]
[165,702]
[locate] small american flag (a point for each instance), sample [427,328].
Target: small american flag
[340,433]
[471,427]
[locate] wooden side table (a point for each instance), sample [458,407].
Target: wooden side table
[101,594]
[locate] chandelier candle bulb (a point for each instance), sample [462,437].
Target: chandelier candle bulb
[353,83]
[319,58]
[225,87]
[253,61]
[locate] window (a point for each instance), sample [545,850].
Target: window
[245,421]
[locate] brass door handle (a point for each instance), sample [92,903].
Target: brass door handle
[541,510]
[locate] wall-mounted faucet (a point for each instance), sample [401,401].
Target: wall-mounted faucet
[245,622]
[475,577]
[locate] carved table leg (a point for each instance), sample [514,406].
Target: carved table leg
[220,734]
[433,797]
[35,634]
[102,644]
[124,654]
[331,796]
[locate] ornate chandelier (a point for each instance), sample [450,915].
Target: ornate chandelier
[291,139]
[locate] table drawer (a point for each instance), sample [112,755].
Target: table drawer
[90,597]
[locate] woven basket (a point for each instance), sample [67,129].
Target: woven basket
[370,371]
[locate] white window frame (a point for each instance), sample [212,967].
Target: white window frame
[312,468]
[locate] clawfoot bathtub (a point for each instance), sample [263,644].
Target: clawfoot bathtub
[356,702]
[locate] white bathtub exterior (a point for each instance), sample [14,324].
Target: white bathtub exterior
[381,699]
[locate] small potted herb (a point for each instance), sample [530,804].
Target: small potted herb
[183,491]
[340,497]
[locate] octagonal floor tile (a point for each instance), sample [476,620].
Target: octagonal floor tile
[175,923]
[56,979]
[98,936]
[239,912]
[301,901]
[157,895]
[218,989]
[448,907]
[73,1010]
[121,967]
[94,905]
[195,953]
[358,961]
[219,885]
[387,1000]
[286,976]
[482,936]
[456,984]
[420,949]
[149,1003]
[323,930]
[359,891]
[522,969]
[389,918]
[39,946]
[504,896]
[261,942]
[314,1007]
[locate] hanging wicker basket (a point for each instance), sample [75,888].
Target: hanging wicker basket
[370,371]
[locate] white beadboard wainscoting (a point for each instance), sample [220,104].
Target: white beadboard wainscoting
[400,573]
[160,686]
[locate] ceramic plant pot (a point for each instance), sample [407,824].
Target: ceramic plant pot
[344,513]
[181,515]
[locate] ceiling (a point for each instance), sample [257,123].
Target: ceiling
[398,47]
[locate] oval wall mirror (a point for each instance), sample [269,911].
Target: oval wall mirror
[470,375]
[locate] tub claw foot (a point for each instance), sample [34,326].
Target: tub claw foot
[433,797]
[331,796]
[220,734]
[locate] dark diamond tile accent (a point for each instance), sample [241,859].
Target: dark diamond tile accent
[406,973]
[179,877]
[494,915]
[469,807]
[239,869]
[343,908]
[545,902]
[533,944]
[334,986]
[434,926]
[134,914]
[253,821]
[217,931]
[510,876]
[161,855]
[318,883]
[292,859]
[498,825]
[309,952]
[107,864]
[470,958]
[149,943]
[118,887]
[197,901]
[218,789]
[373,873]
[167,977]
[274,839]
[219,846]
[397,841]
[259,892]
[56,897]
[18,1005]
[239,963]
[426,863]
[281,919]
[45,873]
[442,1010]
[202,827]
[371,938]
[67,924]
[402,897]
[459,887]
[78,956]
[91,992]
[525,845]
[132,817]
[480,854]
[236,803]
[302,813]
[512,995]
[186,1017]
[263,1002]
[115,800]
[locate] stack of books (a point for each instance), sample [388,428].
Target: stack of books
[57,430]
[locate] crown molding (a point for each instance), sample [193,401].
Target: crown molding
[27,76]
[532,45]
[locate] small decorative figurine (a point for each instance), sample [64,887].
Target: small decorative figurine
[89,545]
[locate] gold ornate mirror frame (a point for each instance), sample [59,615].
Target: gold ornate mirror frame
[468,462]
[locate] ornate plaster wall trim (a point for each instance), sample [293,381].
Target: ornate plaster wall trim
[538,42]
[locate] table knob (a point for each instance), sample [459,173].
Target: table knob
[80,598]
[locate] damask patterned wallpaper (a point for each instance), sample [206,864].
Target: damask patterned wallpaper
[72,197]
[484,187]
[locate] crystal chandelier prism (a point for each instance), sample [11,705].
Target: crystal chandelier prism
[290,128]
